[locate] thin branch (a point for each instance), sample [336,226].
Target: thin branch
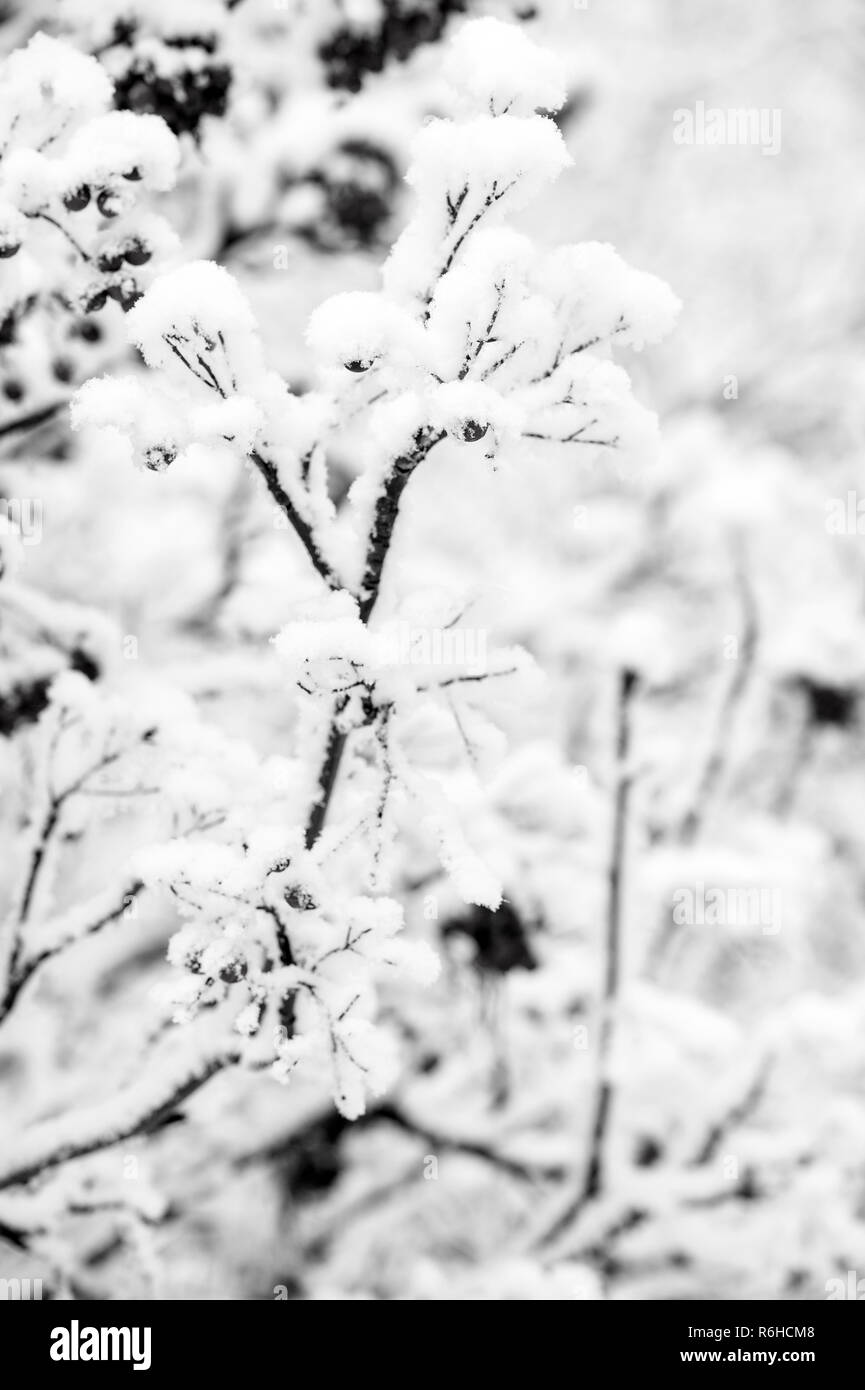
[37,860]
[46,217]
[475,349]
[471,678]
[138,1109]
[24,970]
[733,1117]
[615,880]
[337,739]
[494,196]
[385,515]
[31,421]
[304,531]
[378,545]
[268,470]
[595,1173]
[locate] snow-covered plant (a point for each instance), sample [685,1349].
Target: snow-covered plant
[479,342]
[302,113]
[93,754]
[351,88]
[76,229]
[162,59]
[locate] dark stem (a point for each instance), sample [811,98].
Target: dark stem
[304,531]
[737,1113]
[378,546]
[384,520]
[49,825]
[602,1106]
[594,1179]
[334,749]
[91,1131]
[36,417]
[19,974]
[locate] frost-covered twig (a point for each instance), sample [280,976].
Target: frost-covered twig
[385,516]
[385,513]
[735,1115]
[32,419]
[593,1181]
[66,930]
[139,1108]
[302,528]
[52,801]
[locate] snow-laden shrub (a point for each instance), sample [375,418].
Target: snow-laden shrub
[477,341]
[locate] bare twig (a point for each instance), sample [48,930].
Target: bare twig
[32,420]
[304,531]
[378,545]
[602,1103]
[733,1117]
[140,1108]
[24,969]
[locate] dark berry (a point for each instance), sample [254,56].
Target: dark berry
[130,297]
[63,369]
[471,431]
[137,253]
[360,182]
[233,971]
[359,364]
[829,705]
[125,291]
[9,248]
[108,203]
[158,457]
[77,199]
[90,332]
[124,32]
[501,938]
[110,264]
[95,302]
[13,390]
[300,899]
[134,175]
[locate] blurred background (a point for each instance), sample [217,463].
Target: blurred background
[728,575]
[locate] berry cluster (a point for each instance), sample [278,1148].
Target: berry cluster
[67,360]
[351,53]
[184,92]
[357,182]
